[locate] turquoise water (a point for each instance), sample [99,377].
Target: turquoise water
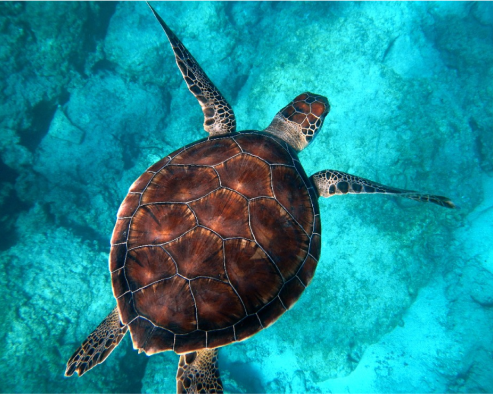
[402,300]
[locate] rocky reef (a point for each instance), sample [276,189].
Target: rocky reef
[402,300]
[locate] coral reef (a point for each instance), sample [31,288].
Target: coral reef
[402,298]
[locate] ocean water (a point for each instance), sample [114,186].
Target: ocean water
[402,300]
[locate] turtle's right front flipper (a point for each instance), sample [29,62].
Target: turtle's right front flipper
[330,183]
[219,117]
[98,345]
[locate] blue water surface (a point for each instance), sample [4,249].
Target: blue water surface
[402,300]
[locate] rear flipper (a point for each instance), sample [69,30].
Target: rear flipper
[330,183]
[198,373]
[98,345]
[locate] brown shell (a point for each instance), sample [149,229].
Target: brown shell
[214,243]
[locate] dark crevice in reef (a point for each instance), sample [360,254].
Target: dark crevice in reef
[42,115]
[7,174]
[98,23]
[482,146]
[64,97]
[241,80]
[103,66]
[11,206]
[12,8]
[95,28]
[131,150]
[107,9]
[245,375]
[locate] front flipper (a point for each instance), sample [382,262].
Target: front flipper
[219,117]
[98,345]
[198,373]
[330,183]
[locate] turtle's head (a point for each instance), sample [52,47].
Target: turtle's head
[299,122]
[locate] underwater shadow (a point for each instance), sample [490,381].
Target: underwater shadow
[244,374]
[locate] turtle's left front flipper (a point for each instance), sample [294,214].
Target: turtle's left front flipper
[198,373]
[330,183]
[219,117]
[98,345]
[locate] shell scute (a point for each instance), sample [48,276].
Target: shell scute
[129,205]
[284,240]
[126,308]
[159,341]
[265,147]
[291,192]
[247,175]
[218,306]
[168,304]
[141,183]
[180,184]
[251,273]
[120,285]
[269,313]
[141,330]
[216,338]
[247,327]
[316,246]
[291,292]
[190,342]
[159,165]
[120,231]
[118,254]
[208,152]
[225,212]
[198,253]
[307,271]
[159,223]
[148,265]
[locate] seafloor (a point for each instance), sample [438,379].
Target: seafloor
[403,296]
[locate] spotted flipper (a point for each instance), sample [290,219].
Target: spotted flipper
[330,183]
[219,117]
[198,373]
[98,345]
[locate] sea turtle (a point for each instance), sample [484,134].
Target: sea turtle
[217,240]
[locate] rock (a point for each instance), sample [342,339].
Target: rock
[482,288]
[62,128]
[12,152]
